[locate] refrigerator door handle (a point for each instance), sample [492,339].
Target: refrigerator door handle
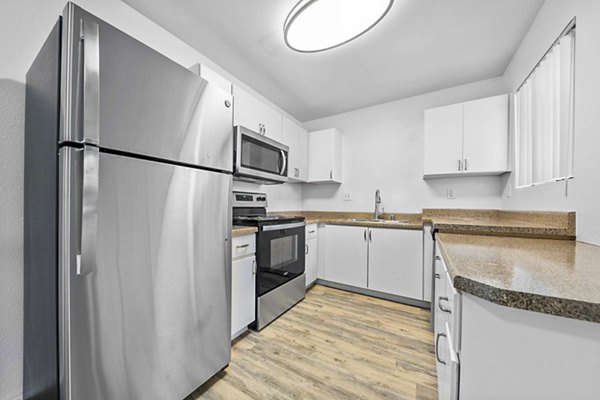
[86,259]
[91,81]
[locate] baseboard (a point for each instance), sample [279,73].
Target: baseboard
[374,293]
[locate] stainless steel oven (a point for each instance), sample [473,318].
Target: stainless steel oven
[280,243]
[258,158]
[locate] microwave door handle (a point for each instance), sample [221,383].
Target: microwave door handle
[284,163]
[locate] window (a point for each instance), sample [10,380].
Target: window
[544,116]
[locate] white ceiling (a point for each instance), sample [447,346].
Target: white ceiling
[420,46]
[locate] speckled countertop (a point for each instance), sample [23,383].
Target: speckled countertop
[243,230]
[558,277]
[403,220]
[540,224]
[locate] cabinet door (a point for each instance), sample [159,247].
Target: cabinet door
[295,136]
[325,156]
[485,135]
[211,76]
[311,261]
[251,113]
[428,251]
[346,255]
[395,262]
[242,294]
[302,154]
[443,139]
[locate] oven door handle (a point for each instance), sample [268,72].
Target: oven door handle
[268,228]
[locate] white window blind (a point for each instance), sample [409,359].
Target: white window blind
[544,117]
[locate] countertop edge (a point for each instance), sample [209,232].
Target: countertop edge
[557,306]
[237,231]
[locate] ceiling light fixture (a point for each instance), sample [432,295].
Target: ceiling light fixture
[317,25]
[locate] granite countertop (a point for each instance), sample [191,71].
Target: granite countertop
[557,277]
[403,220]
[501,227]
[539,224]
[243,230]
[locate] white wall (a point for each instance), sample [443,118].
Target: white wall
[286,197]
[24,25]
[383,149]
[584,190]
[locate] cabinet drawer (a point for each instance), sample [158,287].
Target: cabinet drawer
[311,231]
[242,246]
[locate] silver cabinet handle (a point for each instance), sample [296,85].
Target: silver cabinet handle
[466,165]
[254,267]
[331,174]
[365,235]
[91,82]
[86,259]
[241,246]
[437,276]
[460,165]
[306,249]
[446,310]
[437,342]
[311,231]
[370,236]
[437,258]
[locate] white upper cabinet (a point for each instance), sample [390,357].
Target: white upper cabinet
[211,76]
[443,139]
[485,143]
[255,115]
[325,156]
[296,137]
[467,138]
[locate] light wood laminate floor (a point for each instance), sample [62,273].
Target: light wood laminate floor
[332,345]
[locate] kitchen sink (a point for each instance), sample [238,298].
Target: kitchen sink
[386,221]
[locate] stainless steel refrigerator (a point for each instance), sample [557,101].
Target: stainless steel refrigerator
[128,163]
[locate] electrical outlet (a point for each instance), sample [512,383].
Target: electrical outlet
[347,197]
[450,194]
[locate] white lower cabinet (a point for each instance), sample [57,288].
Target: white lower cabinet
[395,262]
[311,254]
[346,255]
[379,259]
[243,285]
[447,333]
[487,351]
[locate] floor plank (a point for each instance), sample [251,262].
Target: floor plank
[332,345]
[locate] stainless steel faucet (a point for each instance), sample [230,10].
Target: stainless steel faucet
[378,209]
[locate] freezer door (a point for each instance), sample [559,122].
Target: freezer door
[122,95]
[145,292]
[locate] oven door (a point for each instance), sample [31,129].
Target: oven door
[280,255]
[259,158]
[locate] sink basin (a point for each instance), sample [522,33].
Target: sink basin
[385,221]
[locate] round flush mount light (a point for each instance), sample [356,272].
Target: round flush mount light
[318,25]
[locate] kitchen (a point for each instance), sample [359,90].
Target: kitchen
[365,142]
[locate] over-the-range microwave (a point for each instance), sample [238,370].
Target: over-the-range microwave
[258,158]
